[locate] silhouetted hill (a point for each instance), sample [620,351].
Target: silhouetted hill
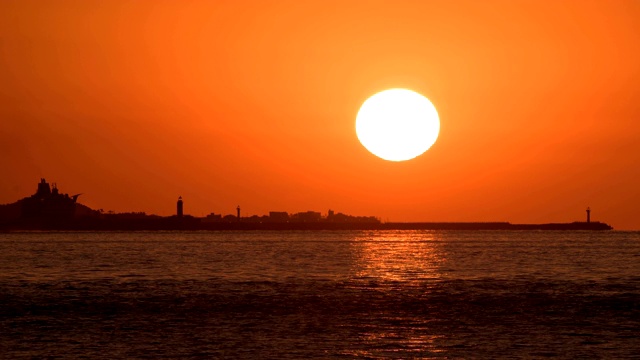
[10,213]
[46,208]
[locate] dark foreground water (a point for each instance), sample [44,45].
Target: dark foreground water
[333,294]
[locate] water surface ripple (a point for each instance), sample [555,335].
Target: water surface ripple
[320,294]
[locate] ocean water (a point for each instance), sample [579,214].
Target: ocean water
[320,294]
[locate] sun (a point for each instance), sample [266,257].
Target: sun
[397,124]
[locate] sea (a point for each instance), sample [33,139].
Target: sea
[320,295]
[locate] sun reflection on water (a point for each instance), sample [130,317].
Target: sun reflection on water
[399,270]
[405,256]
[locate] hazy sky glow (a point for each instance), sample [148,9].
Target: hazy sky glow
[254,103]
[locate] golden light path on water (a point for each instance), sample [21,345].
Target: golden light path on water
[398,256]
[410,259]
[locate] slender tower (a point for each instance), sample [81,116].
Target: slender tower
[588,215]
[180,210]
[238,209]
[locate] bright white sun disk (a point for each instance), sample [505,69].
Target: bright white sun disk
[397,124]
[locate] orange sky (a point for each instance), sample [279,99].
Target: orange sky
[254,103]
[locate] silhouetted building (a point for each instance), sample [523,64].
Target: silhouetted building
[278,216]
[229,218]
[588,215]
[44,190]
[343,218]
[49,205]
[180,209]
[238,209]
[212,218]
[308,216]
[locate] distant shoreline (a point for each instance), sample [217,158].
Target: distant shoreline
[178,224]
[49,209]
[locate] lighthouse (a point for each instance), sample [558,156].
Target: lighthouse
[588,215]
[179,206]
[238,209]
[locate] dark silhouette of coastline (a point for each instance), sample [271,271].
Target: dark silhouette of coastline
[48,209]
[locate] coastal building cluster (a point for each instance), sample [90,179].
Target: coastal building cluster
[49,207]
[284,217]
